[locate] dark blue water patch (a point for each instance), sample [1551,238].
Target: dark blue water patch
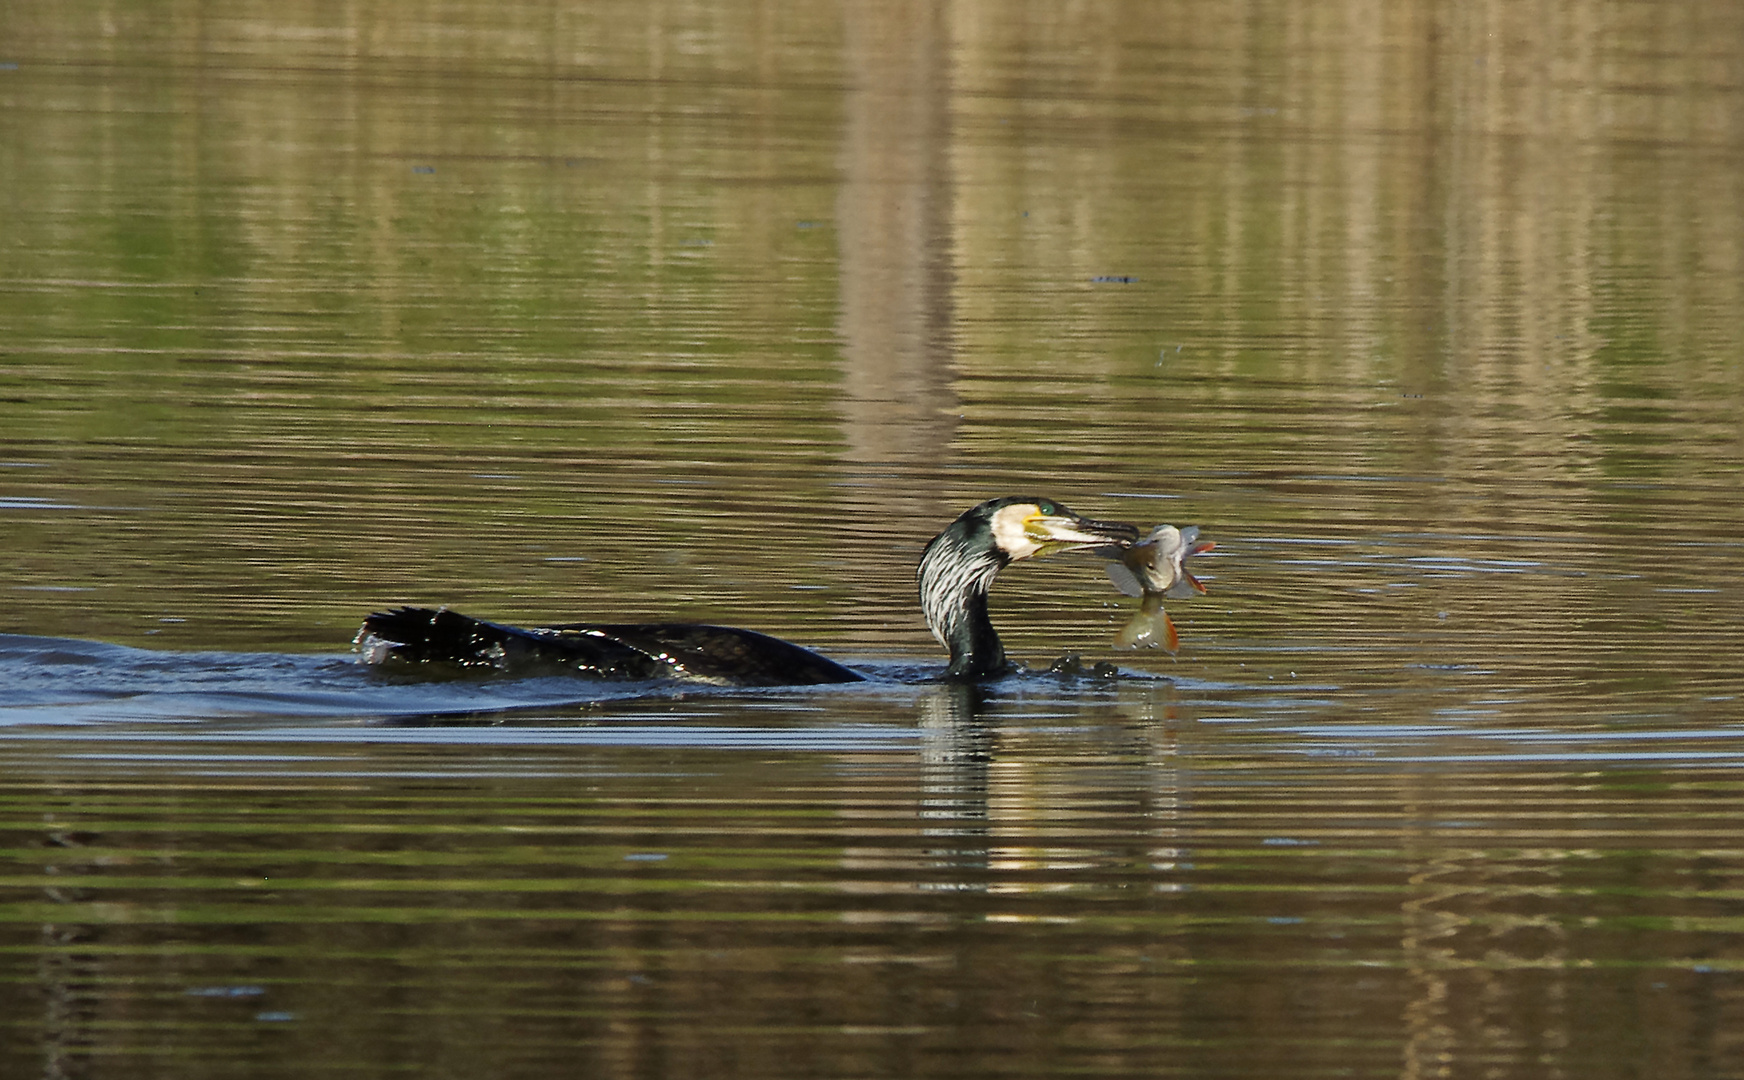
[27,502]
[240,714]
[66,681]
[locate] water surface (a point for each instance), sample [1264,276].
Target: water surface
[1432,319]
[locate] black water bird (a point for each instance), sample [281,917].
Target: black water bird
[956,569]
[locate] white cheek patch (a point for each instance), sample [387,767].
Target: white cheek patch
[1008,531]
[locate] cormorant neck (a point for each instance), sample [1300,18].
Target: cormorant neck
[955,575]
[976,651]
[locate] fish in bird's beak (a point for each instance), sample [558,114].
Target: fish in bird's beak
[1154,568]
[1026,530]
[1158,563]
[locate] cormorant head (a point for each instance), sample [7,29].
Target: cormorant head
[959,565]
[1021,528]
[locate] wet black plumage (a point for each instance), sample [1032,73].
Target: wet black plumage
[718,654]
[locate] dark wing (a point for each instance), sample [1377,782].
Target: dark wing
[443,638]
[725,654]
[717,654]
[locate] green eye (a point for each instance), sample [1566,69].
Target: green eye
[1047,509]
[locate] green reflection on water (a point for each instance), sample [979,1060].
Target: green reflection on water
[318,317]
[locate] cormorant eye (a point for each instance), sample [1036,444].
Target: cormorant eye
[1047,509]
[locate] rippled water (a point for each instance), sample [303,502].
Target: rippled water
[1433,320]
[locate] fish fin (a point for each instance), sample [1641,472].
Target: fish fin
[1185,587]
[1187,584]
[1124,579]
[1150,628]
[1136,634]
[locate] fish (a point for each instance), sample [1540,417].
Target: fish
[1153,569]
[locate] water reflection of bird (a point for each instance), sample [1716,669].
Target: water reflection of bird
[956,570]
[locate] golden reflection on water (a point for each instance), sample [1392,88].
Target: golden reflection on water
[1430,316]
[1020,893]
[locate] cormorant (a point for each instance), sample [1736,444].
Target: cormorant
[958,566]
[956,570]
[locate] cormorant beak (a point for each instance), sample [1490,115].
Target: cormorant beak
[1049,533]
